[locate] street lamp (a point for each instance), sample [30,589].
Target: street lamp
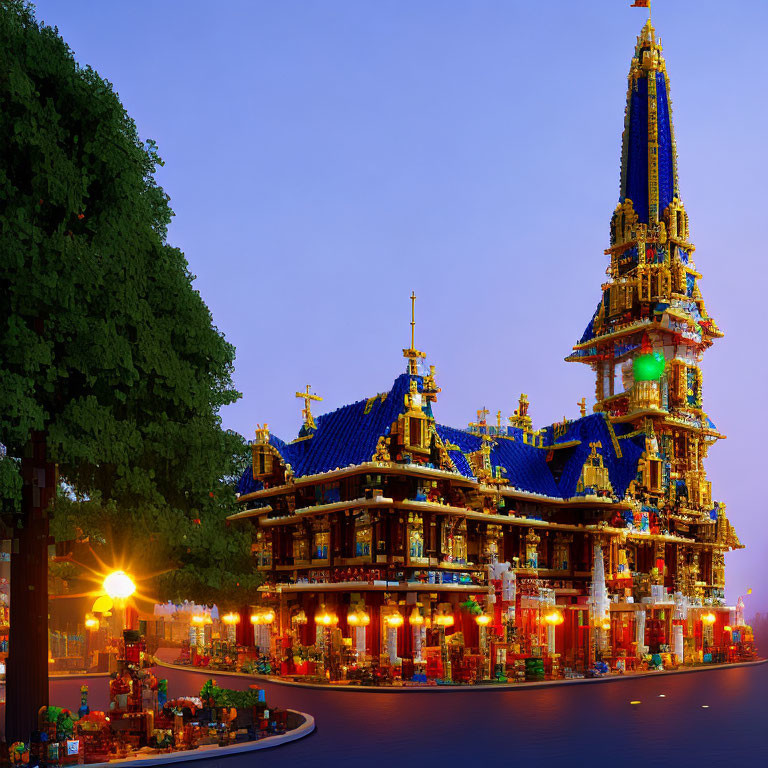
[324,622]
[359,620]
[416,620]
[483,620]
[231,620]
[394,622]
[262,633]
[119,586]
[444,620]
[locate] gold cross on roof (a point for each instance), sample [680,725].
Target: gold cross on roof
[306,411]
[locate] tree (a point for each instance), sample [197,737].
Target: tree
[112,370]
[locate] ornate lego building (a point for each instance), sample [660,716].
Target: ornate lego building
[390,541]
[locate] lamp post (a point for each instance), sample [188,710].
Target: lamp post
[230,621]
[416,620]
[119,586]
[707,620]
[483,620]
[325,621]
[262,628]
[394,622]
[553,618]
[359,620]
[444,620]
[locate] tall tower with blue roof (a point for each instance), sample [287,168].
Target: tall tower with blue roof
[650,328]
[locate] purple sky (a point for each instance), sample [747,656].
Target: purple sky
[326,158]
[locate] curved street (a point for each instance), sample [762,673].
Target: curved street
[562,725]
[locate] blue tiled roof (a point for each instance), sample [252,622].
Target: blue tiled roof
[348,436]
[467,443]
[635,173]
[247,483]
[591,429]
[526,467]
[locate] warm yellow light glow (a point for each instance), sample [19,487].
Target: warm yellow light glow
[102,604]
[119,585]
[554,618]
[231,618]
[394,620]
[268,616]
[708,618]
[326,619]
[728,628]
[606,624]
[300,617]
[198,619]
[483,620]
[91,623]
[358,618]
[416,619]
[444,620]
[749,591]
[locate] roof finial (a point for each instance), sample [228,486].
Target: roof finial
[306,412]
[412,354]
[582,406]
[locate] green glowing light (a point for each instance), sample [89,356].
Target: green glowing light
[648,367]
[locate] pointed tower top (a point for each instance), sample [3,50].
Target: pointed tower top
[648,154]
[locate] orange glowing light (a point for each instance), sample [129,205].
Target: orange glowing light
[554,618]
[119,585]
[483,620]
[395,620]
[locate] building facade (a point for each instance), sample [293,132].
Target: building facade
[396,546]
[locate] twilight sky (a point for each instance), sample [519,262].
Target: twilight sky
[324,158]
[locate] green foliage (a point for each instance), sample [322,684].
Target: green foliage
[213,696]
[105,345]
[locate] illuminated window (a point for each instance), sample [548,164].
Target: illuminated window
[300,548]
[415,536]
[363,536]
[321,540]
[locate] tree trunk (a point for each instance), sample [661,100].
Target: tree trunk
[27,670]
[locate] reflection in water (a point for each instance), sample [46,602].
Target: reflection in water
[580,724]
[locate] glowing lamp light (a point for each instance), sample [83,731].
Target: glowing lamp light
[415,619]
[554,618]
[727,628]
[444,620]
[326,619]
[91,623]
[708,618]
[300,617]
[198,620]
[394,620]
[483,620]
[358,618]
[648,367]
[606,624]
[231,618]
[119,585]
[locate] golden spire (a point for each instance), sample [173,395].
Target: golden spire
[412,354]
[582,406]
[306,412]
